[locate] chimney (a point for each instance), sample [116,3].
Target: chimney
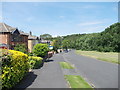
[30,33]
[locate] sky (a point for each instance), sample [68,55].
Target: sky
[60,18]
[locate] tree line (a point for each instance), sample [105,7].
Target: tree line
[105,41]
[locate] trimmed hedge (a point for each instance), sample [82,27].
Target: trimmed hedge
[35,62]
[40,50]
[14,66]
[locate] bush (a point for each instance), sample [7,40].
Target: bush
[40,50]
[21,47]
[14,66]
[30,54]
[35,62]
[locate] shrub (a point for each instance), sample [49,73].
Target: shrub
[21,47]
[14,66]
[40,50]
[30,54]
[35,62]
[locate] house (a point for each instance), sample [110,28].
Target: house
[32,41]
[11,36]
[45,41]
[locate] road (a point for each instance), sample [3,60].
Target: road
[99,73]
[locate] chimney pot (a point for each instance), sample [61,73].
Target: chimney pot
[30,33]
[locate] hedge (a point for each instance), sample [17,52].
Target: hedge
[14,66]
[35,62]
[40,50]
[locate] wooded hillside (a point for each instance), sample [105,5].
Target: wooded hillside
[108,40]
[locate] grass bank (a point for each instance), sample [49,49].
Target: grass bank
[66,65]
[76,81]
[104,56]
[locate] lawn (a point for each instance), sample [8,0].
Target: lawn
[66,65]
[104,56]
[76,81]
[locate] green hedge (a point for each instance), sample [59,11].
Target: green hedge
[14,66]
[40,50]
[35,62]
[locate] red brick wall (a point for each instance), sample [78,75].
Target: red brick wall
[25,40]
[6,39]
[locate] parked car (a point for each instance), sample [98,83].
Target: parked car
[66,50]
[50,54]
[4,46]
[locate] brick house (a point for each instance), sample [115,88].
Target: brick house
[11,36]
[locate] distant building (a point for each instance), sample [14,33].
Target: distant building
[45,41]
[32,41]
[10,36]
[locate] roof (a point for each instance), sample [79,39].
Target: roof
[23,33]
[6,28]
[33,37]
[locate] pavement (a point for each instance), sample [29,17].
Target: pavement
[49,76]
[98,73]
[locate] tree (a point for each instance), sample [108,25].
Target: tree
[40,50]
[21,47]
[56,43]
[46,36]
[66,44]
[106,41]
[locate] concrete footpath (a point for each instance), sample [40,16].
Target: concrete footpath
[49,76]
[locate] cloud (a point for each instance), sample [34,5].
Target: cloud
[115,9]
[94,26]
[89,6]
[54,35]
[29,19]
[1,18]
[62,16]
[92,29]
[89,23]
[36,4]
[61,0]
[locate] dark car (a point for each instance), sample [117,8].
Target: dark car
[66,51]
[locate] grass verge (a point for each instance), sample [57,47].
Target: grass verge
[111,57]
[66,65]
[76,81]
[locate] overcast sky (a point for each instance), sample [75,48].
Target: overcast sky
[60,18]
